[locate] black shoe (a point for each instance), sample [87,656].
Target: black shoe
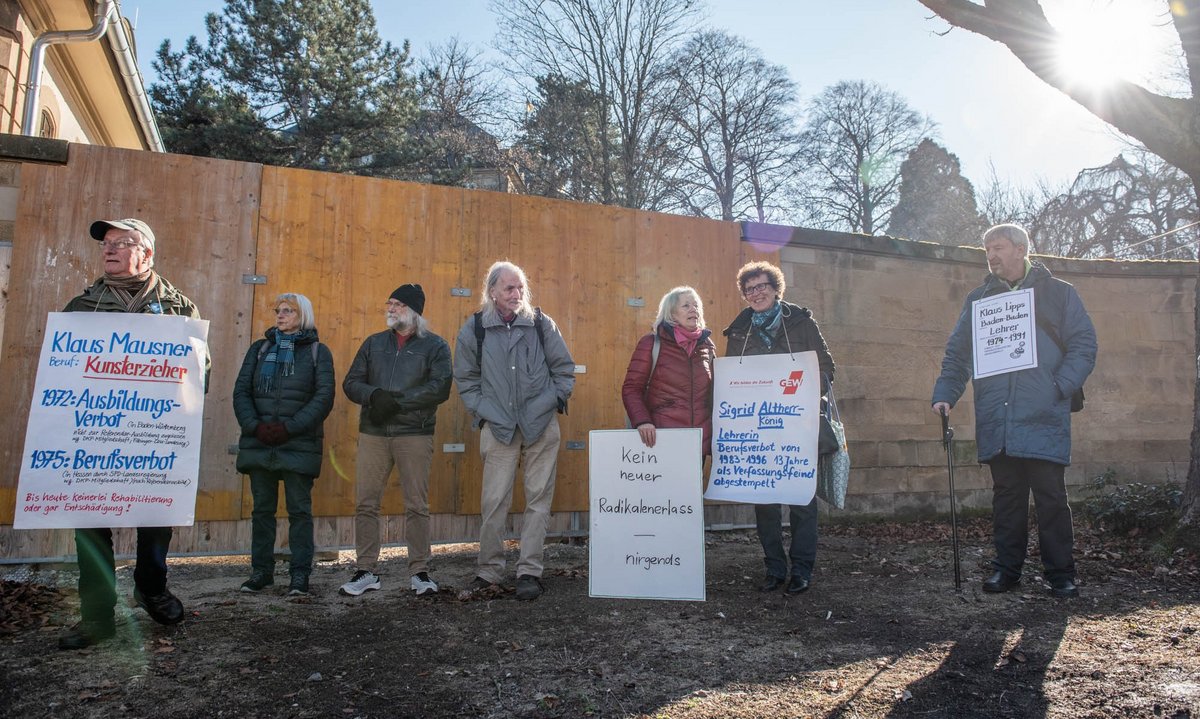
[529,587]
[298,587]
[1064,588]
[1000,582]
[771,584]
[85,634]
[164,608]
[798,585]
[257,582]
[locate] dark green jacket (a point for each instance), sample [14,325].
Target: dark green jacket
[301,401]
[170,301]
[98,298]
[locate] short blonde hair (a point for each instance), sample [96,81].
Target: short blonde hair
[670,302]
[300,303]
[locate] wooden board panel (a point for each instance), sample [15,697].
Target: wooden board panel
[203,213]
[356,240]
[486,237]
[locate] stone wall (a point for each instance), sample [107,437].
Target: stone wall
[887,306]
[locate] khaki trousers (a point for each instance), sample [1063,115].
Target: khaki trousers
[539,460]
[411,455]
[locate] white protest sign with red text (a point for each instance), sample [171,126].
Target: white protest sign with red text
[115,423]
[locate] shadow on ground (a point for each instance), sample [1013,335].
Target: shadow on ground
[881,633]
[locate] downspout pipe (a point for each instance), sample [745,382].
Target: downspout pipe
[118,37]
[37,56]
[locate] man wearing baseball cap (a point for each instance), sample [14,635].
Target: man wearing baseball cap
[399,376]
[129,284]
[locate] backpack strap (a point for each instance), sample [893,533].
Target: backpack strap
[480,331]
[1040,318]
[654,357]
[541,332]
[1078,398]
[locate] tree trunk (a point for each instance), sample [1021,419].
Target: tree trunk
[1189,513]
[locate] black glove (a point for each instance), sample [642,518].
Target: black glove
[383,407]
[263,433]
[562,406]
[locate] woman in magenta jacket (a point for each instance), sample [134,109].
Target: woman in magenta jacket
[676,389]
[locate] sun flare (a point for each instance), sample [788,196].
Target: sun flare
[1102,41]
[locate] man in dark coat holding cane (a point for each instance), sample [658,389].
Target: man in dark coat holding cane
[1023,417]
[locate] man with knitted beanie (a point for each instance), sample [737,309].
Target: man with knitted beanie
[399,376]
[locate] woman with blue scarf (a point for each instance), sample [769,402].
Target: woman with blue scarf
[769,325]
[282,396]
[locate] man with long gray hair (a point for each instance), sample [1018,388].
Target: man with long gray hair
[1023,416]
[399,376]
[513,372]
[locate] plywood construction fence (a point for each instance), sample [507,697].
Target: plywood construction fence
[346,242]
[885,306]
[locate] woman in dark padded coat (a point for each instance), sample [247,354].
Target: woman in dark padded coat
[770,325]
[282,396]
[676,389]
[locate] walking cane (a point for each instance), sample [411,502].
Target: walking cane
[948,442]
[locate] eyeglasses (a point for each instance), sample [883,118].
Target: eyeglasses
[762,287]
[284,311]
[120,244]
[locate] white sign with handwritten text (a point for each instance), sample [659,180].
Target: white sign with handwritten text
[114,427]
[1002,333]
[646,516]
[766,415]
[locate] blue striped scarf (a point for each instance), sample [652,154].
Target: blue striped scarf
[766,324]
[280,360]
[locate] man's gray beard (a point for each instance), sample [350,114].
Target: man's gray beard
[399,324]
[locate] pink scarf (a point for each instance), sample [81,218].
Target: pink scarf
[687,339]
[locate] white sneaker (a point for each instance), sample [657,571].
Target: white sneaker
[361,581]
[423,585]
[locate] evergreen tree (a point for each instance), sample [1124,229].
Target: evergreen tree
[563,141]
[300,83]
[936,203]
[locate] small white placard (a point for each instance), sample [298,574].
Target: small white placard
[646,515]
[1003,334]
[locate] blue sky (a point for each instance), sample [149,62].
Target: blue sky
[989,108]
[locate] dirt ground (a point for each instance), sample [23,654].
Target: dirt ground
[881,634]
